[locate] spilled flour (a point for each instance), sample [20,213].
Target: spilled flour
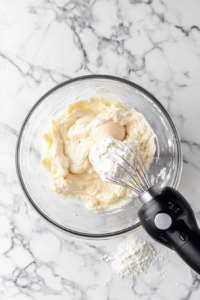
[132,256]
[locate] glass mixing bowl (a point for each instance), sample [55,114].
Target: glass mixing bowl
[70,215]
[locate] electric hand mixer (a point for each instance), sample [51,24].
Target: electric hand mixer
[165,215]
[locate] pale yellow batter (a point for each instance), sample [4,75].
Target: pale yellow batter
[68,145]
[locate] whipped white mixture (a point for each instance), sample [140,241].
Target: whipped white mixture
[72,135]
[104,158]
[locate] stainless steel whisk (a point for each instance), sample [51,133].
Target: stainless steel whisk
[139,181]
[165,215]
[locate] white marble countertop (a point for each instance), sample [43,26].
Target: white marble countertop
[154,43]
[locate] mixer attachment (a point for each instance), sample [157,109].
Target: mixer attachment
[139,181]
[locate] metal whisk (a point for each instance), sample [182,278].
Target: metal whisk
[139,181]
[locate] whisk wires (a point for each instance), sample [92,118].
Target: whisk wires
[137,179]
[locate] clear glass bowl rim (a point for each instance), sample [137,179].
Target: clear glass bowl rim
[28,196]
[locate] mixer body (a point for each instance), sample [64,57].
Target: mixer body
[169,219]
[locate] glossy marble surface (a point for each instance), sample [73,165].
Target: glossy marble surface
[156,44]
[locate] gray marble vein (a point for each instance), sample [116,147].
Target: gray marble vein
[156,44]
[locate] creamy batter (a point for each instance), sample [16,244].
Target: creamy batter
[75,131]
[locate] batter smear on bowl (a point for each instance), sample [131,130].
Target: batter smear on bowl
[73,133]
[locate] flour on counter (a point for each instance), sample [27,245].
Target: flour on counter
[132,256]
